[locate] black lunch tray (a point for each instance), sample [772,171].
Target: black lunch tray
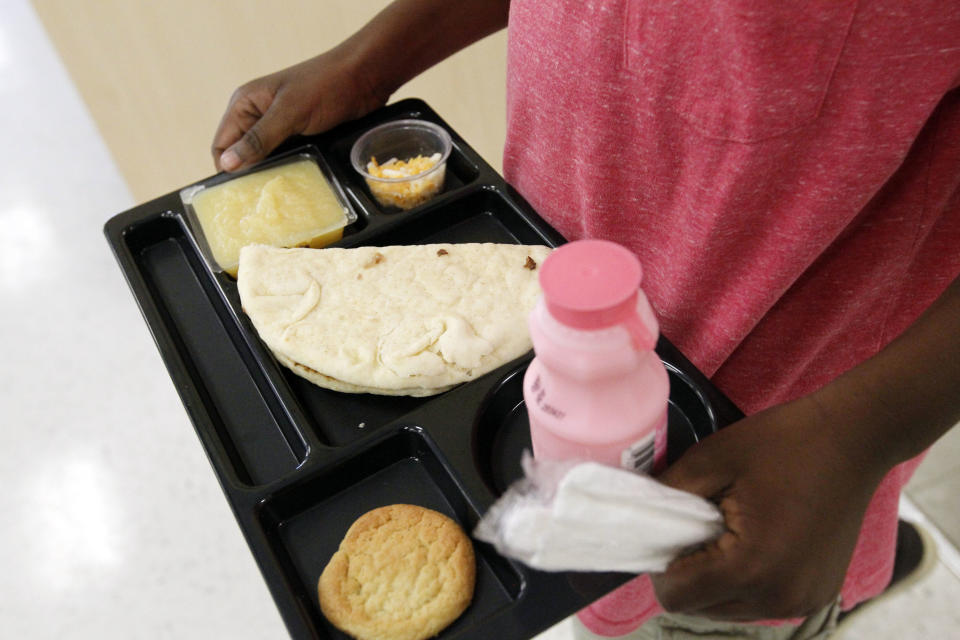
[298,464]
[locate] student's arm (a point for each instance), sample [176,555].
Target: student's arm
[352,79]
[794,481]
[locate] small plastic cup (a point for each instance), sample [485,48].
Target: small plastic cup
[403,140]
[310,209]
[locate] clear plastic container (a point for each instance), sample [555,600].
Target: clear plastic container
[289,202]
[383,156]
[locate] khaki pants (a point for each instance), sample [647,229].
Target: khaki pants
[671,626]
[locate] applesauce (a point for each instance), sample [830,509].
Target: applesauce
[288,205]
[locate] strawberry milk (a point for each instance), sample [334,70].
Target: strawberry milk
[596,389]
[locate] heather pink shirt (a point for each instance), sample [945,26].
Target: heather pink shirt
[787,173]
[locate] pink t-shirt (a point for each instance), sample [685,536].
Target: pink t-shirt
[786,172]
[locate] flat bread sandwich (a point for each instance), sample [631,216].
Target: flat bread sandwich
[398,320]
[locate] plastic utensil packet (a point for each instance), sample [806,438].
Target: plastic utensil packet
[585,516]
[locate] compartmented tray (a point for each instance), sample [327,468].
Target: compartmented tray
[298,464]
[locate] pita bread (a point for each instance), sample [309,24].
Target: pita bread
[400,320]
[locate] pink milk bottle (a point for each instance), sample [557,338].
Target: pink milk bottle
[596,389]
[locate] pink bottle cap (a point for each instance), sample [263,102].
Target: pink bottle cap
[593,284]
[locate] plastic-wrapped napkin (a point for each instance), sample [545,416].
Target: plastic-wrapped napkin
[585,516]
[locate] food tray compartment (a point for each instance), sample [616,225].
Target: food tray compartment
[298,463]
[252,439]
[477,215]
[305,522]
[502,429]
[462,168]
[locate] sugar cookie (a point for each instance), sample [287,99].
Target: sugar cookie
[402,572]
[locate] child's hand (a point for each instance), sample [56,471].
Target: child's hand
[306,98]
[793,500]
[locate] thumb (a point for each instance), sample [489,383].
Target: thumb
[700,578]
[263,136]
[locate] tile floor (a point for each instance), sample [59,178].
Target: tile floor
[935,487]
[113,523]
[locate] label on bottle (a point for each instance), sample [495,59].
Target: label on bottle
[540,399]
[639,456]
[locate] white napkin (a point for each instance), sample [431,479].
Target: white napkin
[585,516]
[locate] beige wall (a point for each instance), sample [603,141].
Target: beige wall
[156,75]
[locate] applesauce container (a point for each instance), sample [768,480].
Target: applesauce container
[596,389]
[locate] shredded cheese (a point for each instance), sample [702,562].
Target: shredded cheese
[409,193]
